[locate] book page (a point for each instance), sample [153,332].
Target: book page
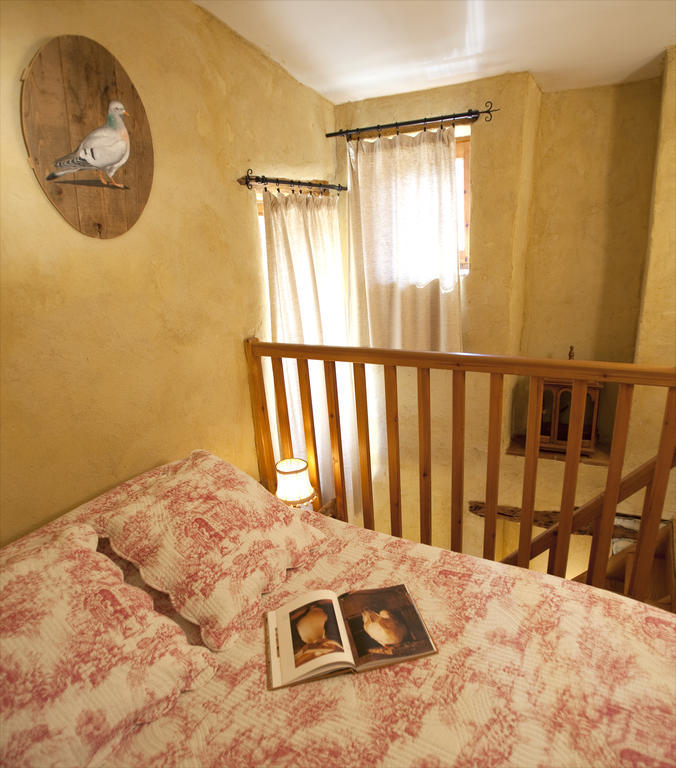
[311,638]
[384,626]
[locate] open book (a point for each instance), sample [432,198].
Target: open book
[321,633]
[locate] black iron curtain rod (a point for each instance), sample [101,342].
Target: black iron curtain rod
[471,115]
[249,180]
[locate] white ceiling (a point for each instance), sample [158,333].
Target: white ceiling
[348,50]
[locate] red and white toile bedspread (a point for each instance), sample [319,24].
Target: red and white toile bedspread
[532,670]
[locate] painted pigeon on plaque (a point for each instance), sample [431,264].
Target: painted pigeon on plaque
[104,150]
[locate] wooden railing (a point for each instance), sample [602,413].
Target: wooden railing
[653,475]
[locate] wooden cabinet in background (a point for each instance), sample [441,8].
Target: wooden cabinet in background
[556,401]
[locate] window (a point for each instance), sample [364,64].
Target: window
[462,187]
[463,199]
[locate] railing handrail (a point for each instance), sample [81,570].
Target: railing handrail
[654,476]
[589,512]
[574,370]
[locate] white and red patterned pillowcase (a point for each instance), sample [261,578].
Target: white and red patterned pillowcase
[207,534]
[83,656]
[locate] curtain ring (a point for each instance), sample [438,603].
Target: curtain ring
[425,124]
[396,125]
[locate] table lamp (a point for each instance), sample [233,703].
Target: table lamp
[293,482]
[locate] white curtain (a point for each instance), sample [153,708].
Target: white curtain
[305,273]
[404,288]
[307,306]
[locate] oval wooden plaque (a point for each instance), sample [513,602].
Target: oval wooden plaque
[67,90]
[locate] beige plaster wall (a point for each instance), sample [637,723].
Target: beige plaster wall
[522,220]
[118,355]
[656,341]
[595,155]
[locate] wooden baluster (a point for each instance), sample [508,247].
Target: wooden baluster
[457,460]
[309,427]
[361,405]
[573,446]
[261,419]
[394,470]
[530,469]
[629,563]
[336,439]
[425,455]
[285,444]
[653,504]
[603,528]
[493,463]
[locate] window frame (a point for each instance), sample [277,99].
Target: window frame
[462,150]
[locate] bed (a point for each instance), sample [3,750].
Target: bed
[132,635]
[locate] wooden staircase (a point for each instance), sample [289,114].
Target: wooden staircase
[662,580]
[637,571]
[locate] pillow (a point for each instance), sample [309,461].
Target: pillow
[210,536]
[161,601]
[83,656]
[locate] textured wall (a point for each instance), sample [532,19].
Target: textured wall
[595,155]
[118,355]
[522,221]
[657,334]
[656,342]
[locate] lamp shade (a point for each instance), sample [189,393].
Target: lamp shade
[293,481]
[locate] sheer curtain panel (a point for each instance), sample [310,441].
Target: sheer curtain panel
[305,273]
[404,288]
[307,306]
